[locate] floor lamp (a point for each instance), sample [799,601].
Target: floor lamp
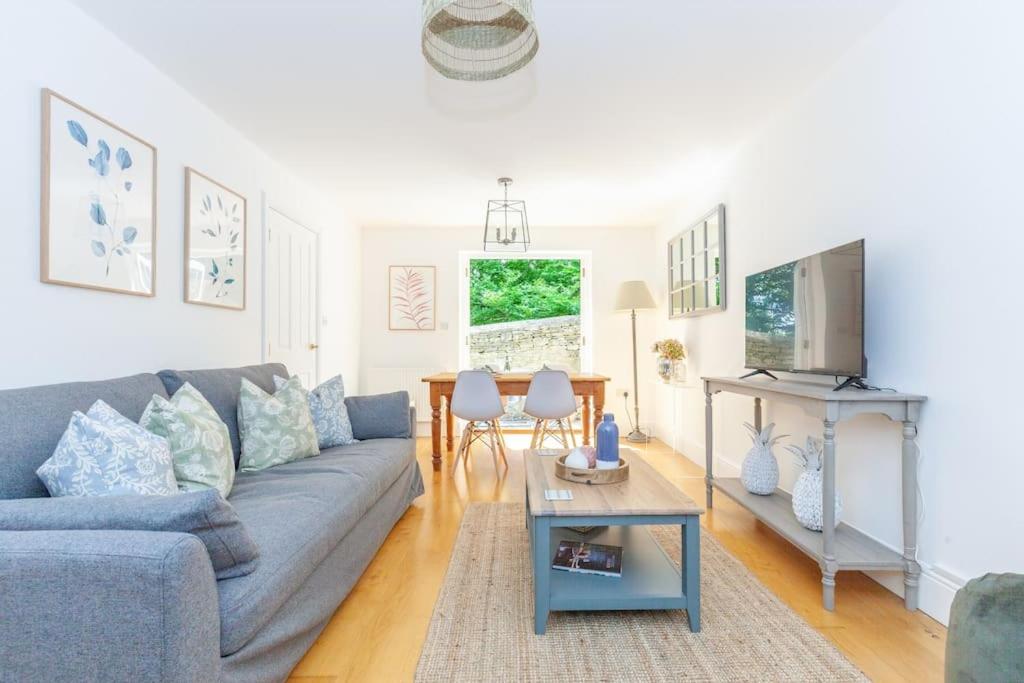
[634,296]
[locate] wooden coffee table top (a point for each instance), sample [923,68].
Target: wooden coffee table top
[645,492]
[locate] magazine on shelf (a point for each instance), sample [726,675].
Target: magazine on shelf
[588,558]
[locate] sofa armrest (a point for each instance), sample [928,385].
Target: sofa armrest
[412,421]
[107,605]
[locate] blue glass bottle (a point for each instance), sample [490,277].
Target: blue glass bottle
[607,443]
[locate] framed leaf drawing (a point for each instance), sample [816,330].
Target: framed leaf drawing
[411,297]
[98,218]
[215,243]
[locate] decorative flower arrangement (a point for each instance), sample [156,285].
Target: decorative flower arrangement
[671,349]
[670,352]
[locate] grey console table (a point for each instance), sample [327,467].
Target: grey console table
[844,547]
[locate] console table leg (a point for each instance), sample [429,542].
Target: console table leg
[541,573]
[911,570]
[709,446]
[829,566]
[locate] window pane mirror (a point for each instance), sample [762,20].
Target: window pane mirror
[696,267]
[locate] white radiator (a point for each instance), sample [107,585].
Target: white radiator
[383,380]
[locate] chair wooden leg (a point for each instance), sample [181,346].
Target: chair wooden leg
[572,434]
[462,447]
[494,445]
[501,442]
[536,432]
[561,428]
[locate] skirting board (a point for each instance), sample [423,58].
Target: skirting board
[937,587]
[935,594]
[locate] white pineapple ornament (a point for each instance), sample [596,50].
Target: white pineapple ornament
[807,492]
[760,471]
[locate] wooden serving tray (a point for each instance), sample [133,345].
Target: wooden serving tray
[589,476]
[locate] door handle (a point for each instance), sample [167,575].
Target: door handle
[313,347]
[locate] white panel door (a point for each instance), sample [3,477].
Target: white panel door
[292,297]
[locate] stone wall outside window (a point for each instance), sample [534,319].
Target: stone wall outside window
[527,344]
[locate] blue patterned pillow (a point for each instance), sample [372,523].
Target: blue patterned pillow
[330,415]
[103,453]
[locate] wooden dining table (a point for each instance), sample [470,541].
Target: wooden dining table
[587,385]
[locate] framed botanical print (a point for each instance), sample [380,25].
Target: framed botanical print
[215,243]
[98,219]
[411,297]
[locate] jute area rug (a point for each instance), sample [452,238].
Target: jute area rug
[482,627]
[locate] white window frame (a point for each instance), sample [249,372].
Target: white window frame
[586,297]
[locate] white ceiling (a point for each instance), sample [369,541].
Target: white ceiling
[625,104]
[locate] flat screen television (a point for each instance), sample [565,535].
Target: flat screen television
[808,315]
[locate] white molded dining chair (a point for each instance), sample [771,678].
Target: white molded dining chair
[551,398]
[476,400]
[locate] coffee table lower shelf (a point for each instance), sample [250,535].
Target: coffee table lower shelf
[650,578]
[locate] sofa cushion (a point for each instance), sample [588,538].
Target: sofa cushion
[221,387]
[199,441]
[103,453]
[203,514]
[381,416]
[33,420]
[275,428]
[298,513]
[330,414]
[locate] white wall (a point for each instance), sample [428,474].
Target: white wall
[914,142]
[617,255]
[53,333]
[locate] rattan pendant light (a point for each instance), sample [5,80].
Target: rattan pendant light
[478,40]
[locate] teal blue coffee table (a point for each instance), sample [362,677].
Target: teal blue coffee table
[650,579]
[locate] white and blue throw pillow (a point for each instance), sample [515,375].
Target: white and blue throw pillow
[103,453]
[330,416]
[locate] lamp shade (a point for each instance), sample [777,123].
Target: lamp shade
[633,295]
[478,40]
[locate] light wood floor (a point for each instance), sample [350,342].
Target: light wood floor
[377,633]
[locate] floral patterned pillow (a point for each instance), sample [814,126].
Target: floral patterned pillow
[274,429]
[103,453]
[199,440]
[330,416]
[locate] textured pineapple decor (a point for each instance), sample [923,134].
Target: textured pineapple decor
[760,472]
[807,492]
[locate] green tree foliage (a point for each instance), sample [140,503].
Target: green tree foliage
[770,301]
[522,289]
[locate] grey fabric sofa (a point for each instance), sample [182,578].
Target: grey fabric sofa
[145,605]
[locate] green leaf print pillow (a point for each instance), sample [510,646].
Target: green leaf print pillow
[199,440]
[274,429]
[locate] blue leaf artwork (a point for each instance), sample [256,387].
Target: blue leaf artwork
[78,133]
[106,203]
[101,163]
[99,216]
[124,160]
